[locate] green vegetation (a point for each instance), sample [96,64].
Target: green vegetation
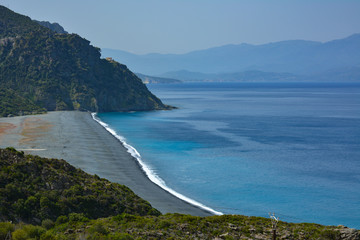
[56,71]
[34,190]
[50,199]
[13,104]
[173,226]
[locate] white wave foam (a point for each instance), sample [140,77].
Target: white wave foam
[150,173]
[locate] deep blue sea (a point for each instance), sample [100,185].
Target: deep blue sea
[255,148]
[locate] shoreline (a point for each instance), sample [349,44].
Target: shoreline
[83,142]
[148,172]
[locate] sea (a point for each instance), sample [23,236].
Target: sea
[292,149]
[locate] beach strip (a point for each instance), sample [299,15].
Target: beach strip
[75,137]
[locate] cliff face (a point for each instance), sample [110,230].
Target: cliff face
[63,71]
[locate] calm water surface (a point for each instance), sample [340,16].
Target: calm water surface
[254,148]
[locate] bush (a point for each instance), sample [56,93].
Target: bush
[331,235]
[61,220]
[5,228]
[28,232]
[98,228]
[48,236]
[47,224]
[77,217]
[120,236]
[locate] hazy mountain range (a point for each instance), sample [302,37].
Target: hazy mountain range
[295,60]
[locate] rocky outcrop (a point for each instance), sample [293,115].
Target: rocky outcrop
[348,233]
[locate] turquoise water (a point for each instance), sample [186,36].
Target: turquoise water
[290,148]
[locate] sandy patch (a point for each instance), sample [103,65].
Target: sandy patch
[34,128]
[5,128]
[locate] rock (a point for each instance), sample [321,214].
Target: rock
[233,226]
[349,233]
[69,231]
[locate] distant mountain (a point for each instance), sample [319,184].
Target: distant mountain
[53,26]
[45,70]
[150,79]
[296,57]
[247,76]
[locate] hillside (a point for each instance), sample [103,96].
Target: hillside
[54,71]
[33,189]
[306,59]
[63,202]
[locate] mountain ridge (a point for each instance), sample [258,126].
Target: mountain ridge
[246,76]
[298,57]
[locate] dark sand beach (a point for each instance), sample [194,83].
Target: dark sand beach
[78,139]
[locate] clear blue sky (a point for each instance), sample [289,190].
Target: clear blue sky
[179,26]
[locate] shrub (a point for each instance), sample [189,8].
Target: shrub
[48,236]
[77,217]
[61,220]
[98,228]
[28,232]
[331,235]
[47,224]
[120,236]
[5,228]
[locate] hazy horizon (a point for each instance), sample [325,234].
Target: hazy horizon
[160,26]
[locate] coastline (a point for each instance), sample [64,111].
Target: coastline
[79,139]
[148,172]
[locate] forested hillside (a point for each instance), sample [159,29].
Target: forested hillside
[46,70]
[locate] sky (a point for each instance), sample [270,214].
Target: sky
[181,26]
